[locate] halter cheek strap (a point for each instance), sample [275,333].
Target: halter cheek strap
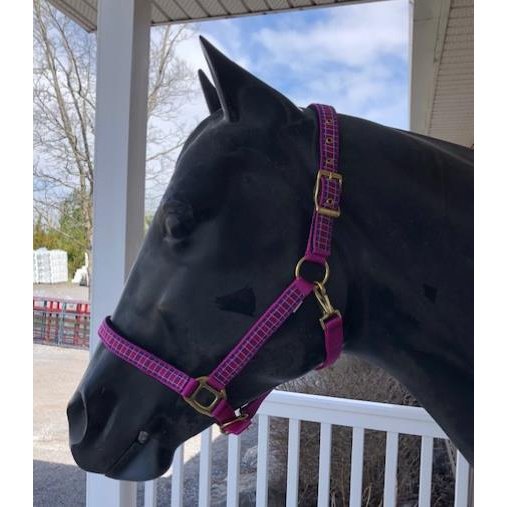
[207,395]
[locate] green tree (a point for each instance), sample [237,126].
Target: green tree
[73,231]
[69,234]
[64,122]
[44,237]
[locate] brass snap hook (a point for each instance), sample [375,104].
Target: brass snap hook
[325,304]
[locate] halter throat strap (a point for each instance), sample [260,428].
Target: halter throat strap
[207,395]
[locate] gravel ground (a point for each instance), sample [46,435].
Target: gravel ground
[56,373]
[57,479]
[59,482]
[61,290]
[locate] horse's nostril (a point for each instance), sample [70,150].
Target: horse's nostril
[143,436]
[77,417]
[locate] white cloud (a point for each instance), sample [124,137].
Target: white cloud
[354,58]
[190,51]
[355,35]
[364,92]
[349,57]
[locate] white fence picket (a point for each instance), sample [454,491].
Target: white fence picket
[233,462]
[293,463]
[261,494]
[365,414]
[390,471]
[462,476]
[324,465]
[327,411]
[425,471]
[177,478]
[150,493]
[205,469]
[356,467]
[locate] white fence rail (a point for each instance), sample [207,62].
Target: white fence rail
[359,415]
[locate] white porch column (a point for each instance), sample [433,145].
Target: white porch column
[123,42]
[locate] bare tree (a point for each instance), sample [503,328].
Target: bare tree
[64,112]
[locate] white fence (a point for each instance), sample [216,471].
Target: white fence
[359,415]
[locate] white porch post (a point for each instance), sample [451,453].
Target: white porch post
[123,42]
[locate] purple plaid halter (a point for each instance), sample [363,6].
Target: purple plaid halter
[207,394]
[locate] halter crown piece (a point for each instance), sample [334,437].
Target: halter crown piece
[207,394]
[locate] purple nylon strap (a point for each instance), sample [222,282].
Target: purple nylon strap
[143,360]
[260,332]
[318,248]
[327,201]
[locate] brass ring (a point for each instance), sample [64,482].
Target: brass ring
[326,267]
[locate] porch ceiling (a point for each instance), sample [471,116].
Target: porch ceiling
[84,12]
[442,53]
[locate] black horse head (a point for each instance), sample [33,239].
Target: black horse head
[223,245]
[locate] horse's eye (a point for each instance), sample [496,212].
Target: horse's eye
[176,227]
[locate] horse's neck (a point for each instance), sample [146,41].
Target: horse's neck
[405,241]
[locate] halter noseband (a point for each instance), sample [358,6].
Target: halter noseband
[207,395]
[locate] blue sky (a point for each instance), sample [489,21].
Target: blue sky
[352,57]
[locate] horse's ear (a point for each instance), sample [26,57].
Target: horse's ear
[241,93]
[210,94]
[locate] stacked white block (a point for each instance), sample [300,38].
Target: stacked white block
[35,268]
[50,266]
[41,265]
[58,266]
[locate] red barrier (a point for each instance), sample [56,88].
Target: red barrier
[61,322]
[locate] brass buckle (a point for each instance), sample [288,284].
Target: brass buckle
[325,304]
[240,417]
[322,210]
[218,395]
